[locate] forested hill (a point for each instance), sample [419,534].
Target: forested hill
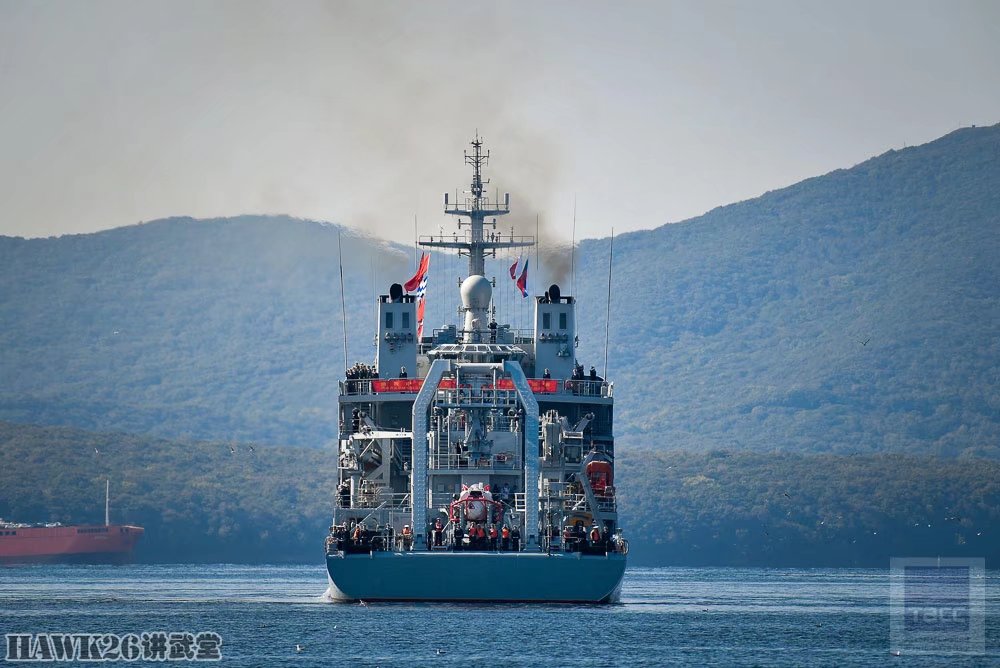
[228,502]
[853,312]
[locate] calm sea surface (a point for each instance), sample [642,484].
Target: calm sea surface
[696,616]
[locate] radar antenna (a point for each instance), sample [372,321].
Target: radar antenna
[477,243]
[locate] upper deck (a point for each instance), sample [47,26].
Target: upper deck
[547,389]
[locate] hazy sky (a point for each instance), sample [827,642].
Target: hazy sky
[115,112]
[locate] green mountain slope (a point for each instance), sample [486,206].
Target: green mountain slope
[856,311]
[200,501]
[859,310]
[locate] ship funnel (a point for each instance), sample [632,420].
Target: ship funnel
[476,294]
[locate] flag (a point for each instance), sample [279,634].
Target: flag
[513,268]
[414,283]
[522,282]
[423,273]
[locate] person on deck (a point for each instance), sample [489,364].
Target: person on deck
[493,537]
[438,532]
[407,537]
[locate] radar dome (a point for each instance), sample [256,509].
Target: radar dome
[476,292]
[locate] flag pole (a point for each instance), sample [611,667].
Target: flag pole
[573,251]
[607,318]
[343,302]
[538,267]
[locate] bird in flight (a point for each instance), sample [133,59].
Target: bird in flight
[865,342]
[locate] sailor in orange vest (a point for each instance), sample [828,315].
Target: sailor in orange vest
[438,532]
[493,537]
[407,537]
[356,536]
[481,537]
[505,536]
[595,536]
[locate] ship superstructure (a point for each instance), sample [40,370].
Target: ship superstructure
[476,463]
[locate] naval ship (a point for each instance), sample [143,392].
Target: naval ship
[475,463]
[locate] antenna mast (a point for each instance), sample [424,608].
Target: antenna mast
[477,244]
[343,302]
[107,502]
[607,318]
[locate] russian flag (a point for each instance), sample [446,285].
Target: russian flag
[513,268]
[522,281]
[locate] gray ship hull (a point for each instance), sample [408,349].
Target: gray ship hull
[476,576]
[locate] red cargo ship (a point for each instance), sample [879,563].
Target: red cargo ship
[55,543]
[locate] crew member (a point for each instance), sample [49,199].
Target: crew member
[481,536]
[546,374]
[407,537]
[505,537]
[402,372]
[493,537]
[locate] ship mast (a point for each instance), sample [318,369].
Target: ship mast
[107,502]
[477,243]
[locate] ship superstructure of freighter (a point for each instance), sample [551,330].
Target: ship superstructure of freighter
[475,463]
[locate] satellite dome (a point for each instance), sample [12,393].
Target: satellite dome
[476,292]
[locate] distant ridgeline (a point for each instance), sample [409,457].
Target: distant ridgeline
[853,312]
[215,501]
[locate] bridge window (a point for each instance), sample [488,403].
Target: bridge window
[388,319]
[546,321]
[562,321]
[406,319]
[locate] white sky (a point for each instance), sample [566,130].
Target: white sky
[647,113]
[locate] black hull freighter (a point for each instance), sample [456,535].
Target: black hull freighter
[476,463]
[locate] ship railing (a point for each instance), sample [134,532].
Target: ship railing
[503,394]
[589,388]
[578,502]
[356,386]
[379,499]
[501,461]
[442,500]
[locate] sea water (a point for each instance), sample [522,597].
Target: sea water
[280,616]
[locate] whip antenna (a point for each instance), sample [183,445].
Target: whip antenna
[573,250]
[607,318]
[343,302]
